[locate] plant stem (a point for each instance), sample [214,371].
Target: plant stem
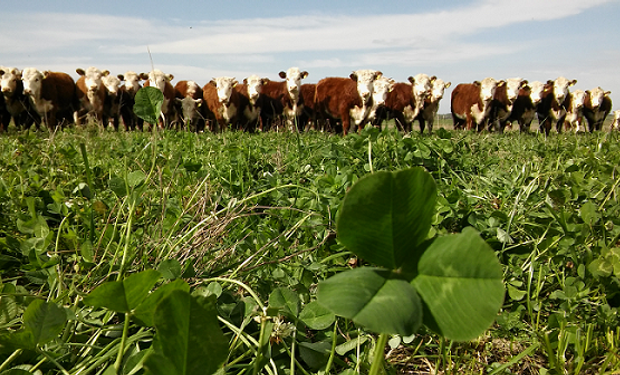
[377,359]
[8,361]
[261,343]
[121,350]
[332,353]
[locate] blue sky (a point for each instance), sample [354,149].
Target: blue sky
[456,41]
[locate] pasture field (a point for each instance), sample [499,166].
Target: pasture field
[247,223]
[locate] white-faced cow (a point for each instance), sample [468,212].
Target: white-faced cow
[524,108]
[127,98]
[431,105]
[157,78]
[283,99]
[553,104]
[112,104]
[574,111]
[52,96]
[222,102]
[471,103]
[596,108]
[381,88]
[615,125]
[91,94]
[188,97]
[503,103]
[16,103]
[348,100]
[251,102]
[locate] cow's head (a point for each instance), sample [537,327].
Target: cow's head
[513,85]
[33,80]
[578,99]
[224,86]
[92,77]
[132,81]
[381,88]
[293,78]
[254,86]
[437,90]
[488,86]
[9,80]
[560,88]
[596,97]
[158,79]
[365,79]
[422,85]
[536,91]
[111,84]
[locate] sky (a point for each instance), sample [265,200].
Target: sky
[457,41]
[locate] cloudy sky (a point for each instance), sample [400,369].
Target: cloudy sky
[457,41]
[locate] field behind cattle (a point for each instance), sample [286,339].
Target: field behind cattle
[246,223]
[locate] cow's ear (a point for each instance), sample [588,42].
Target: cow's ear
[143,76]
[378,74]
[105,73]
[411,79]
[121,77]
[2,71]
[523,83]
[45,74]
[447,84]
[169,77]
[235,83]
[80,71]
[573,82]
[282,75]
[501,83]
[353,76]
[550,82]
[264,80]
[477,83]
[245,81]
[607,93]
[304,74]
[433,79]
[213,83]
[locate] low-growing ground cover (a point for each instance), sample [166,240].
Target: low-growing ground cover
[247,222]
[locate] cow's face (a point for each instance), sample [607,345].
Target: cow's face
[438,88]
[158,79]
[422,85]
[254,85]
[513,85]
[488,86]
[9,80]
[111,83]
[33,80]
[381,88]
[293,78]
[224,86]
[92,78]
[596,97]
[578,99]
[132,81]
[189,106]
[560,88]
[365,79]
[536,91]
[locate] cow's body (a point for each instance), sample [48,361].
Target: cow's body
[574,112]
[127,95]
[308,117]
[251,100]
[615,125]
[157,78]
[188,97]
[112,104]
[52,96]
[503,103]
[15,104]
[222,102]
[283,99]
[348,100]
[91,94]
[471,103]
[596,108]
[553,104]
[431,105]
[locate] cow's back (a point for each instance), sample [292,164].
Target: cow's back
[60,89]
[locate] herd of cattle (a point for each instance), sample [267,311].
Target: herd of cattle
[334,104]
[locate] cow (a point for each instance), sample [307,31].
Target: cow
[91,94]
[348,100]
[15,104]
[574,112]
[615,125]
[52,96]
[157,78]
[222,102]
[188,97]
[553,104]
[283,99]
[431,104]
[596,108]
[525,106]
[112,103]
[503,103]
[308,117]
[251,98]
[471,103]
[381,89]
[127,96]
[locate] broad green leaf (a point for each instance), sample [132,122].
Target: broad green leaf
[170,269]
[460,281]
[373,298]
[314,354]
[44,320]
[589,213]
[135,178]
[144,313]
[317,317]
[188,340]
[123,296]
[386,215]
[117,185]
[286,301]
[148,104]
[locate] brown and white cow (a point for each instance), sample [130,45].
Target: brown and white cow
[348,100]
[91,95]
[188,96]
[127,96]
[553,104]
[16,105]
[283,99]
[157,78]
[596,108]
[524,108]
[431,105]
[112,103]
[574,111]
[251,98]
[471,103]
[503,103]
[52,95]
[615,125]
[381,89]
[222,102]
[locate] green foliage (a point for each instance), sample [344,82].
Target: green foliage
[148,102]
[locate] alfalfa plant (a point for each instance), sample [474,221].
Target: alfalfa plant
[452,283]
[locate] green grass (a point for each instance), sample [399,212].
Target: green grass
[260,209]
